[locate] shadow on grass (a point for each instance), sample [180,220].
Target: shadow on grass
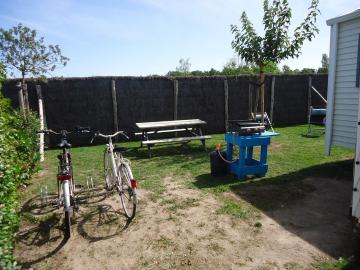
[102,223]
[312,203]
[340,169]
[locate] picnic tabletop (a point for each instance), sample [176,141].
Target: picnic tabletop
[169,124]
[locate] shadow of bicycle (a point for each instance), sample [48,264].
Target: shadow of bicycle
[48,233]
[102,222]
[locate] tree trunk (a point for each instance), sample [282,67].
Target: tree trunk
[21,101]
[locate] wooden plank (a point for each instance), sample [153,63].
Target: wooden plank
[226,101]
[114,102]
[163,131]
[173,123]
[176,93]
[175,140]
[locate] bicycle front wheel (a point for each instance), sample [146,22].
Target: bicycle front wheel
[108,172]
[127,193]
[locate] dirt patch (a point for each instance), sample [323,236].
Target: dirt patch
[184,230]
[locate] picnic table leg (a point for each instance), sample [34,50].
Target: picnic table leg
[202,141]
[149,150]
[143,137]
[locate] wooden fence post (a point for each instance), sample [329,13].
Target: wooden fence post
[272,100]
[114,103]
[226,94]
[309,96]
[21,98]
[250,101]
[42,122]
[176,94]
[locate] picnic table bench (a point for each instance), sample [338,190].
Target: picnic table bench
[191,128]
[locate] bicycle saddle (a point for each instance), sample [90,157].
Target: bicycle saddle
[120,149]
[64,144]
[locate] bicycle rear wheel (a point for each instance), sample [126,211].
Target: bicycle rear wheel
[67,208]
[127,193]
[108,173]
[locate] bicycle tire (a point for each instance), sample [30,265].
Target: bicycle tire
[67,208]
[126,192]
[108,173]
[67,224]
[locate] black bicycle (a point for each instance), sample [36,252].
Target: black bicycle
[65,180]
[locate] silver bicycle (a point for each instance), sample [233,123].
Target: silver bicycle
[65,179]
[118,174]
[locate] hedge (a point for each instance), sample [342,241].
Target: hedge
[18,160]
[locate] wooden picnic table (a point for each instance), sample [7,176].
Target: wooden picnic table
[191,127]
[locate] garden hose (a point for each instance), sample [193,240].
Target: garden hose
[217,149]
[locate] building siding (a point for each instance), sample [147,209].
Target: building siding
[346,100]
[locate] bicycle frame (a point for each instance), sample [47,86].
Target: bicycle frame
[110,153]
[65,182]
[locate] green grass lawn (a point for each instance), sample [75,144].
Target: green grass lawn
[290,157]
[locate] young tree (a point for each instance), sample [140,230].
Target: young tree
[276,44]
[287,70]
[182,70]
[184,66]
[324,64]
[22,51]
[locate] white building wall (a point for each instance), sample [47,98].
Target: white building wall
[346,98]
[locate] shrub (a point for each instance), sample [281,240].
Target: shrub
[18,160]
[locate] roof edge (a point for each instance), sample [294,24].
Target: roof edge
[346,17]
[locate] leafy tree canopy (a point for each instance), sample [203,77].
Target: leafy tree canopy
[276,44]
[21,50]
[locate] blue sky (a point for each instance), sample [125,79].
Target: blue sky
[144,37]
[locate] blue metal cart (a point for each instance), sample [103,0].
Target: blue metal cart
[246,164]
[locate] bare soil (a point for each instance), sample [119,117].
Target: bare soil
[183,229]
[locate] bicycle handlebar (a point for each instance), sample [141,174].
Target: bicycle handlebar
[98,134]
[65,132]
[47,131]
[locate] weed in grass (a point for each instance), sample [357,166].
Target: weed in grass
[237,209]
